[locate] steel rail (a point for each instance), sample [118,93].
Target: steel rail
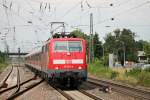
[24,90]
[67,96]
[12,87]
[124,89]
[89,95]
[18,85]
[5,79]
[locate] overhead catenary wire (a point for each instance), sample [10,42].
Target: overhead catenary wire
[7,17]
[14,13]
[33,15]
[122,12]
[141,26]
[18,16]
[49,6]
[83,5]
[41,6]
[70,10]
[132,8]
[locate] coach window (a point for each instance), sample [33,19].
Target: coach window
[46,48]
[42,48]
[36,57]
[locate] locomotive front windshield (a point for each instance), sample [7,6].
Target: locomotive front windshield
[67,46]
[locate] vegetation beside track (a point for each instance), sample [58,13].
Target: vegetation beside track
[130,76]
[97,69]
[2,66]
[3,63]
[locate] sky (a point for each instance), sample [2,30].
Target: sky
[26,23]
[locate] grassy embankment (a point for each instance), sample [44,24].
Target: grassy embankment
[2,66]
[3,63]
[133,76]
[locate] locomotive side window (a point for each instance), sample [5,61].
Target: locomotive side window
[74,46]
[60,46]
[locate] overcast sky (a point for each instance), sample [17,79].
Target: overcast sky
[31,19]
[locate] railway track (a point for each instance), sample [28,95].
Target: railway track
[18,84]
[89,95]
[3,83]
[15,95]
[71,94]
[19,88]
[124,89]
[12,87]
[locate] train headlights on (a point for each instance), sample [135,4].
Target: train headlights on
[79,67]
[56,68]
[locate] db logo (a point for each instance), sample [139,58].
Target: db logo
[68,62]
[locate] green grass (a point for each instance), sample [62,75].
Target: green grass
[133,77]
[142,76]
[2,66]
[97,69]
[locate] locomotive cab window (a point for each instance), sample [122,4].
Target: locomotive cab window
[67,46]
[60,46]
[74,46]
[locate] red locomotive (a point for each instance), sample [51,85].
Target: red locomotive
[61,59]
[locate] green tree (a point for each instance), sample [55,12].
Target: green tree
[140,45]
[2,57]
[98,50]
[147,50]
[110,42]
[128,37]
[78,34]
[119,42]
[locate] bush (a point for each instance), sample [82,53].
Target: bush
[144,79]
[2,66]
[142,76]
[98,69]
[106,61]
[114,74]
[134,72]
[135,76]
[147,69]
[2,57]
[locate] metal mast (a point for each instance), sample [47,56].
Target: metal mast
[91,47]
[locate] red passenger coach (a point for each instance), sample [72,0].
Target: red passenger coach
[61,59]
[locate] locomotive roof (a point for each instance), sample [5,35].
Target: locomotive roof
[55,39]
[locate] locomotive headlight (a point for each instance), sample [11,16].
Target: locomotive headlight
[56,67]
[79,67]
